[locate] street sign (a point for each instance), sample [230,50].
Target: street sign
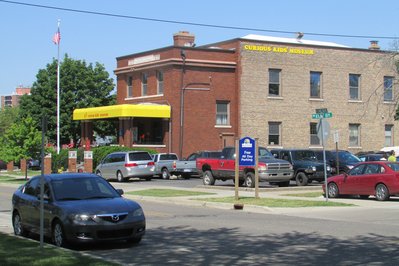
[246,152]
[321,115]
[323,130]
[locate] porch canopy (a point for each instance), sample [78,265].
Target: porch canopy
[122,110]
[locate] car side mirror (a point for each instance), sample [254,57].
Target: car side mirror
[120,191]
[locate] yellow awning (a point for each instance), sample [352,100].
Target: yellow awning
[122,110]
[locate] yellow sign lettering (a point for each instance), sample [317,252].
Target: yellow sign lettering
[278,49]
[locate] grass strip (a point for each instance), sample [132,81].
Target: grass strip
[277,203]
[4,178]
[18,251]
[159,192]
[305,195]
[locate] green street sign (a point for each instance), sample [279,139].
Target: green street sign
[321,115]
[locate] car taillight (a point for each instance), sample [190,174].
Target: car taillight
[151,164]
[131,165]
[174,164]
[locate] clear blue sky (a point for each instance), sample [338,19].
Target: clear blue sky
[26,32]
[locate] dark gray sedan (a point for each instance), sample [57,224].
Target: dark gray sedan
[77,208]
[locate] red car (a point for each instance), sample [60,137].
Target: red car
[379,178]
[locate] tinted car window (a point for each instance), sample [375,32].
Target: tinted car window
[304,155]
[372,169]
[192,157]
[357,170]
[394,166]
[32,187]
[139,156]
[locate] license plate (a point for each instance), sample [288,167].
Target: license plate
[187,170]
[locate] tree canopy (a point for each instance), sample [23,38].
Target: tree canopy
[21,141]
[82,85]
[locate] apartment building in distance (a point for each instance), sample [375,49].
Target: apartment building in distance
[13,99]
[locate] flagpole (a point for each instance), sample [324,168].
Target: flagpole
[58,93]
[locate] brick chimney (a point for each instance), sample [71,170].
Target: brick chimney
[374,45]
[183,38]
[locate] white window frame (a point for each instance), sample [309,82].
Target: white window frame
[160,82]
[222,117]
[354,135]
[353,88]
[273,82]
[144,84]
[318,86]
[388,135]
[129,83]
[313,135]
[388,89]
[272,132]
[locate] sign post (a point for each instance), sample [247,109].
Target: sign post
[323,132]
[247,157]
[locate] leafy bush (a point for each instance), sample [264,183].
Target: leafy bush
[59,162]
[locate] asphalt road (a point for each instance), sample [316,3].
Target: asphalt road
[194,235]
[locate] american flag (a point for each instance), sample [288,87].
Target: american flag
[57,37]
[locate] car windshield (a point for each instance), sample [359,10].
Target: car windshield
[82,188]
[304,155]
[348,157]
[265,153]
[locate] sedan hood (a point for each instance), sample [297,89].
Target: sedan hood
[99,206]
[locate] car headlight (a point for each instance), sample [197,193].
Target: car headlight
[138,213]
[328,168]
[349,166]
[81,217]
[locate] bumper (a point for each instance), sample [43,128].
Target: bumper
[185,171]
[276,176]
[100,232]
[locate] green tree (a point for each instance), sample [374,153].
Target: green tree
[21,141]
[8,116]
[82,85]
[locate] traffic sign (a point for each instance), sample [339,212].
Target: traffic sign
[321,115]
[323,130]
[247,152]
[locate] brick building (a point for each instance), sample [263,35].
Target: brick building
[258,86]
[13,99]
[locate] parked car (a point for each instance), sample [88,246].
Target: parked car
[378,178]
[187,167]
[165,163]
[124,165]
[346,160]
[78,207]
[33,164]
[305,163]
[372,157]
[270,169]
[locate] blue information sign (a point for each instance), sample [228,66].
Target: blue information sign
[246,152]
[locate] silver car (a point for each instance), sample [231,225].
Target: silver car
[125,165]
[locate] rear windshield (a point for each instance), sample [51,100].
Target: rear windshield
[168,157]
[140,156]
[394,166]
